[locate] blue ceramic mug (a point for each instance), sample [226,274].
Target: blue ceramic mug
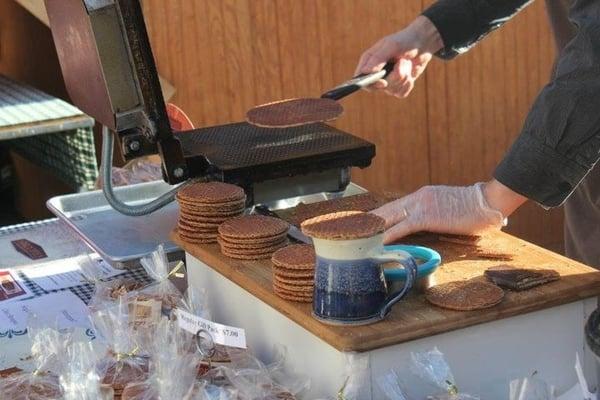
[350,287]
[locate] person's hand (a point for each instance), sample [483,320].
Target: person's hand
[449,209]
[411,48]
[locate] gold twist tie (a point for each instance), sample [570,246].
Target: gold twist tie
[176,268]
[131,354]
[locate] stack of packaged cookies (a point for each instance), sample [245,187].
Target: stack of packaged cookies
[252,237]
[42,383]
[141,352]
[204,206]
[293,272]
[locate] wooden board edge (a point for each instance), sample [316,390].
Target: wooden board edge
[483,317]
[363,342]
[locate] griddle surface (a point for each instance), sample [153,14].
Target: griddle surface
[241,145]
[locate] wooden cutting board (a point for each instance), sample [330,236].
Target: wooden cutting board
[414,317]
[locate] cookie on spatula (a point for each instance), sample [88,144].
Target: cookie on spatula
[294,112]
[465,295]
[518,279]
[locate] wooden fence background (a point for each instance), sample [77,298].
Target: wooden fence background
[225,56]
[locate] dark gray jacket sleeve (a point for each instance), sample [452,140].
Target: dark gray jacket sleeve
[462,23]
[560,141]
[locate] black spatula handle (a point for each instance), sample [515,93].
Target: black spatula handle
[358,82]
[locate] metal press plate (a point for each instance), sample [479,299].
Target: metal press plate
[116,237]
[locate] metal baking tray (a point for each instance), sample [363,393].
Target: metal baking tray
[120,240]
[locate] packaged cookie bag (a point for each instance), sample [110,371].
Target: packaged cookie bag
[428,376]
[173,367]
[106,291]
[162,295]
[253,379]
[47,349]
[80,379]
[126,358]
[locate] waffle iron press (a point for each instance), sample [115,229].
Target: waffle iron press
[109,71]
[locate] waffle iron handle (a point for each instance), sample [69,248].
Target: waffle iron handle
[358,82]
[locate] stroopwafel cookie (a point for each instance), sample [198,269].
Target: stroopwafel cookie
[283,280]
[465,295]
[345,225]
[204,206]
[250,227]
[254,251]
[295,256]
[233,245]
[252,237]
[293,296]
[210,193]
[293,272]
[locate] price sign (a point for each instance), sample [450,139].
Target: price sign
[221,334]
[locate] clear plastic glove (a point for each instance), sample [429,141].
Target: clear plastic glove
[412,48]
[441,209]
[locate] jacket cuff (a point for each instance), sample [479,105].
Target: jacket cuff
[539,172]
[446,20]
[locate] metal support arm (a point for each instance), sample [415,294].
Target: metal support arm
[107,187]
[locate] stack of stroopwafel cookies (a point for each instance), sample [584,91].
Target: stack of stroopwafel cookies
[293,272]
[204,206]
[252,237]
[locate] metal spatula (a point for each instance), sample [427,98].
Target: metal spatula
[294,112]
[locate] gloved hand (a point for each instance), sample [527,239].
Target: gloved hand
[412,48]
[441,209]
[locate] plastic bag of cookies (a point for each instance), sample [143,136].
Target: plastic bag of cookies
[173,367]
[48,346]
[80,379]
[106,292]
[428,377]
[126,358]
[161,295]
[253,379]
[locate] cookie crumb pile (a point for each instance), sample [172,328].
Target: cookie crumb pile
[293,272]
[206,205]
[252,237]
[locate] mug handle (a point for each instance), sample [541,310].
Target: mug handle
[411,275]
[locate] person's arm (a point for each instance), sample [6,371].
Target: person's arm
[462,23]
[562,29]
[446,29]
[560,140]
[450,209]
[559,145]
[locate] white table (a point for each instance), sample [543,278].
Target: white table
[484,358]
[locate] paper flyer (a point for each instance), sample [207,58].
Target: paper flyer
[62,274]
[12,287]
[63,310]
